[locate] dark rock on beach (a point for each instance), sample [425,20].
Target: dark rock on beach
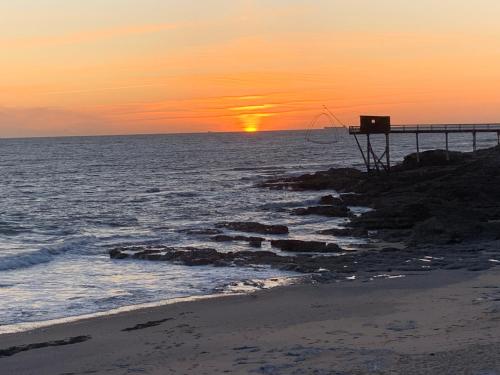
[339,179]
[201,231]
[432,158]
[332,211]
[330,200]
[306,246]
[254,227]
[252,241]
[345,232]
[473,257]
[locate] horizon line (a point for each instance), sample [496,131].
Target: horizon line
[153,134]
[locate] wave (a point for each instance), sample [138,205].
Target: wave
[7,229]
[45,254]
[280,206]
[258,168]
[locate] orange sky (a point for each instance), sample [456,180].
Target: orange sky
[151,66]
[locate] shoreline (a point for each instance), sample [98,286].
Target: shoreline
[278,282]
[417,323]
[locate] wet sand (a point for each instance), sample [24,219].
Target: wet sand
[439,322]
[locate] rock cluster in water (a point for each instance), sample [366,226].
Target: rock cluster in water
[253,227]
[474,258]
[438,213]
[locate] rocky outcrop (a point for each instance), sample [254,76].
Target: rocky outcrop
[252,241]
[297,246]
[459,256]
[432,158]
[201,231]
[254,227]
[331,211]
[330,200]
[339,179]
[344,232]
[435,200]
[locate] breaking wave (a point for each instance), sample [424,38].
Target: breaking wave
[45,254]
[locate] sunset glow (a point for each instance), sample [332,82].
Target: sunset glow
[171,66]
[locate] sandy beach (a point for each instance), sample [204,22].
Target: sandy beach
[440,322]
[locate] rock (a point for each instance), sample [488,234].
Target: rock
[153,190]
[196,256]
[461,256]
[339,179]
[254,227]
[415,192]
[403,216]
[352,199]
[222,238]
[345,232]
[145,254]
[330,200]
[453,229]
[332,211]
[431,158]
[305,246]
[201,231]
[117,254]
[252,241]
[255,243]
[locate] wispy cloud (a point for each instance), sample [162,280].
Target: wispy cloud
[252,107]
[87,36]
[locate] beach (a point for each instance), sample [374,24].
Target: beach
[379,274]
[443,322]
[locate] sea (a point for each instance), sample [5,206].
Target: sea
[66,201]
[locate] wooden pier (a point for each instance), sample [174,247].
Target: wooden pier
[371,125]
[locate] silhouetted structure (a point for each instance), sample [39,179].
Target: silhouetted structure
[372,125]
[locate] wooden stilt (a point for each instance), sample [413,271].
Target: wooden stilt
[447,151]
[376,160]
[387,152]
[361,150]
[368,150]
[418,149]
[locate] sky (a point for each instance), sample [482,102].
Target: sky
[94,67]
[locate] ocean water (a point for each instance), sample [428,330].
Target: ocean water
[66,201]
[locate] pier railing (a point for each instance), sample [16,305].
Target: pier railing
[372,159]
[437,128]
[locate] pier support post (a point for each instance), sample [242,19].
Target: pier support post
[361,150]
[474,141]
[387,152]
[418,149]
[368,150]
[447,151]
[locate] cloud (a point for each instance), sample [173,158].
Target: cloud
[87,36]
[43,121]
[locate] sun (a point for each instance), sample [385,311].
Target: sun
[251,121]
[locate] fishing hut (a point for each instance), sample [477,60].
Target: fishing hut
[371,126]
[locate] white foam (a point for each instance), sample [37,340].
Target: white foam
[44,255]
[232,290]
